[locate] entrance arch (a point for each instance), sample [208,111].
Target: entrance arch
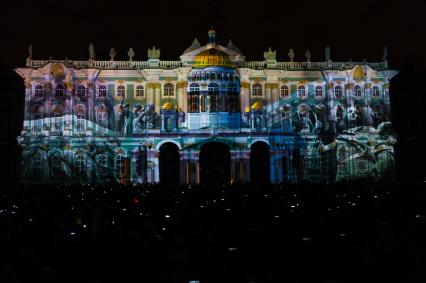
[169,164]
[259,163]
[215,163]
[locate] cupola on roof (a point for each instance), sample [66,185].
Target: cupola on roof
[212,57]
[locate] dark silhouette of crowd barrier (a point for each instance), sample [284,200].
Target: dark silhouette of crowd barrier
[309,232]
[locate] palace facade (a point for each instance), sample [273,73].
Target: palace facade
[211,116]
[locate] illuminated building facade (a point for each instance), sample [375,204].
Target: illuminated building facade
[135,121]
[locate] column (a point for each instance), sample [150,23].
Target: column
[272,172]
[197,171]
[184,95]
[183,164]
[153,166]
[246,163]
[27,110]
[150,93]
[157,96]
[330,115]
[385,92]
[90,108]
[47,106]
[244,96]
[232,173]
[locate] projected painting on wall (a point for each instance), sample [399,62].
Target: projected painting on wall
[148,121]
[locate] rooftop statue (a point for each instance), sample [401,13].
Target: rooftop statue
[327,52]
[30,51]
[131,53]
[385,53]
[112,54]
[154,53]
[270,55]
[91,51]
[308,55]
[291,55]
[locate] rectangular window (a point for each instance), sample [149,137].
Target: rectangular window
[57,123]
[102,92]
[80,125]
[37,123]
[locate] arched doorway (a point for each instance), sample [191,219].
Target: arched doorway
[259,163]
[169,164]
[215,161]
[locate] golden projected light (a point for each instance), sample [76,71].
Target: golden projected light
[57,71]
[358,74]
[168,106]
[212,57]
[257,106]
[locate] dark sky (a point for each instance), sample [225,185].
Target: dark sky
[353,29]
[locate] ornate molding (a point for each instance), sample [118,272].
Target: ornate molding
[271,85]
[182,84]
[245,85]
[153,85]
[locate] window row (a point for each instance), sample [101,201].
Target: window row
[58,164]
[102,91]
[198,76]
[212,87]
[318,91]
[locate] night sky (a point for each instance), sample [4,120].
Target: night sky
[353,29]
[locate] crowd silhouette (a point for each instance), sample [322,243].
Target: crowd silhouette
[347,232]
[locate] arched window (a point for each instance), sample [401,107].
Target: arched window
[301,92]
[256,90]
[37,118]
[80,119]
[375,92]
[233,98]
[258,123]
[284,91]
[36,165]
[194,92]
[168,124]
[168,89]
[102,92]
[338,92]
[357,91]
[139,91]
[80,164]
[121,91]
[101,117]
[56,163]
[38,91]
[81,91]
[194,89]
[57,119]
[339,113]
[59,92]
[120,165]
[213,91]
[318,92]
[102,162]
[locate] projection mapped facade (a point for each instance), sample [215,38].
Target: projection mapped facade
[135,121]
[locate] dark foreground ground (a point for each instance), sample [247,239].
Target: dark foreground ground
[241,233]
